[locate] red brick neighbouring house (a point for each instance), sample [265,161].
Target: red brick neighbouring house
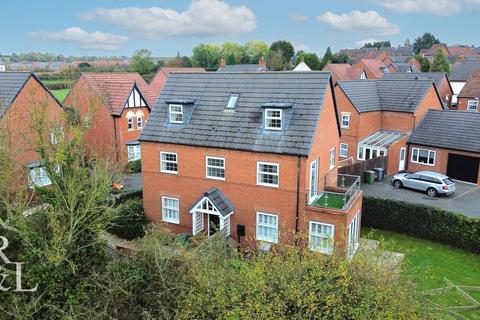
[470,94]
[253,154]
[118,106]
[344,71]
[24,100]
[157,83]
[376,117]
[447,142]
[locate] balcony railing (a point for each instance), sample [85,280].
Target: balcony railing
[338,192]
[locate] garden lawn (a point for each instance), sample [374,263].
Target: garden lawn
[429,262]
[60,94]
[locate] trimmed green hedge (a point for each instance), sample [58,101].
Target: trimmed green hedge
[422,221]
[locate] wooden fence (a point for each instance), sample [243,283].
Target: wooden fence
[359,167]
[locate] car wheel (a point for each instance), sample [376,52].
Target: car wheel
[432,192]
[397,184]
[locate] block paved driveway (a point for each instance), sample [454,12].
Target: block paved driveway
[466,199]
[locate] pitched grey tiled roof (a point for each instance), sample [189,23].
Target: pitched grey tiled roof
[437,77]
[10,85]
[462,71]
[241,68]
[219,200]
[386,95]
[458,130]
[404,67]
[210,126]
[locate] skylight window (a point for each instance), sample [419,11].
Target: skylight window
[232,101]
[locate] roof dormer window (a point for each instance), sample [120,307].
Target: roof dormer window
[273,119]
[176,113]
[232,101]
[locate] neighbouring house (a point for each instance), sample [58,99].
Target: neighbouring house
[459,76]
[117,106]
[374,68]
[454,53]
[24,103]
[344,71]
[402,67]
[448,142]
[302,66]
[157,83]
[252,154]
[410,60]
[377,116]
[470,94]
[440,79]
[260,67]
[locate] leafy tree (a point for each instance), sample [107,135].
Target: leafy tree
[206,56]
[327,58]
[340,58]
[276,61]
[427,40]
[142,61]
[311,59]
[231,59]
[285,47]
[179,62]
[424,63]
[253,51]
[440,62]
[377,44]
[84,65]
[232,52]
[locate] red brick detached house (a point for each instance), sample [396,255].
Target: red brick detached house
[157,83]
[447,142]
[118,105]
[468,97]
[252,154]
[22,95]
[376,117]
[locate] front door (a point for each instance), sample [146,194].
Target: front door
[401,165]
[213,224]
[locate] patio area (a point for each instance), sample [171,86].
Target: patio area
[339,191]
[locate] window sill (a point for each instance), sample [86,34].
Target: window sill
[424,164]
[268,185]
[169,172]
[215,178]
[171,221]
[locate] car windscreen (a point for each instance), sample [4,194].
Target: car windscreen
[448,181]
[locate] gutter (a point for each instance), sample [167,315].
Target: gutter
[115,135]
[297,217]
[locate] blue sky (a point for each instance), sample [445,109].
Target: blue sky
[119,27]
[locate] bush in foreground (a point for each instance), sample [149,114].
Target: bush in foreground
[130,222]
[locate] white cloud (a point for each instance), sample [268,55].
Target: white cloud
[299,46]
[472,4]
[436,7]
[82,38]
[295,16]
[361,43]
[368,22]
[202,18]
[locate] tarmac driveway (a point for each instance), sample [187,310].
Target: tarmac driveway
[466,199]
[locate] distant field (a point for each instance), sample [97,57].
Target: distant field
[54,82]
[60,94]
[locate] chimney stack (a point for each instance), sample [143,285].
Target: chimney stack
[262,63]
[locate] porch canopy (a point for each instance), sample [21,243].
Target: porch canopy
[213,202]
[377,144]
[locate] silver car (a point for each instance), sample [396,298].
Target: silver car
[432,183]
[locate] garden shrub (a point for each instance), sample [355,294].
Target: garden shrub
[422,221]
[134,166]
[130,222]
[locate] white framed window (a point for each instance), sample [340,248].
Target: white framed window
[170,210]
[215,168]
[472,105]
[366,153]
[268,174]
[134,152]
[345,123]
[273,119]
[169,162]
[423,156]
[176,113]
[363,76]
[321,237]
[343,150]
[267,227]
[38,177]
[232,101]
[332,158]
[139,116]
[353,232]
[56,135]
[313,192]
